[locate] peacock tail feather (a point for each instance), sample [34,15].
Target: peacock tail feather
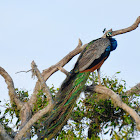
[70,90]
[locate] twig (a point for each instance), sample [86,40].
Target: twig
[63,70]
[23,71]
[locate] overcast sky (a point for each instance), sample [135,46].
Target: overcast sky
[46,30]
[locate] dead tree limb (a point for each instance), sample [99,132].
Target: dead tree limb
[11,88]
[42,112]
[42,82]
[63,70]
[3,134]
[38,85]
[48,72]
[117,100]
[135,89]
[34,119]
[125,30]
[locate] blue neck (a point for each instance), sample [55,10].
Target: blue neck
[113,44]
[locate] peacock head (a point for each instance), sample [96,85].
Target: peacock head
[109,34]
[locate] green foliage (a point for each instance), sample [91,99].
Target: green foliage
[104,116]
[41,101]
[40,104]
[53,90]
[12,112]
[95,111]
[23,95]
[69,135]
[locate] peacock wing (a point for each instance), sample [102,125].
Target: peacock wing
[92,52]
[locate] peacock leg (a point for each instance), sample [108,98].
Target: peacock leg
[93,77]
[98,70]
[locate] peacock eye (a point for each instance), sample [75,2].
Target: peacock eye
[108,34]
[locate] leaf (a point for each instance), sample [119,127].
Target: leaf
[124,96]
[26,94]
[117,108]
[107,132]
[118,72]
[116,136]
[106,126]
[7,110]
[111,132]
[120,89]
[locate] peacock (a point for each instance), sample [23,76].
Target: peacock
[90,59]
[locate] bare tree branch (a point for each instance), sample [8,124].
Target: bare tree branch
[135,89]
[63,70]
[43,85]
[40,84]
[117,100]
[125,30]
[34,119]
[48,72]
[23,71]
[10,86]
[3,134]
[42,112]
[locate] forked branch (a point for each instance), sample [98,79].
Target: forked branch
[43,85]
[34,119]
[48,72]
[51,70]
[42,112]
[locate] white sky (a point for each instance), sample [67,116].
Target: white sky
[46,30]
